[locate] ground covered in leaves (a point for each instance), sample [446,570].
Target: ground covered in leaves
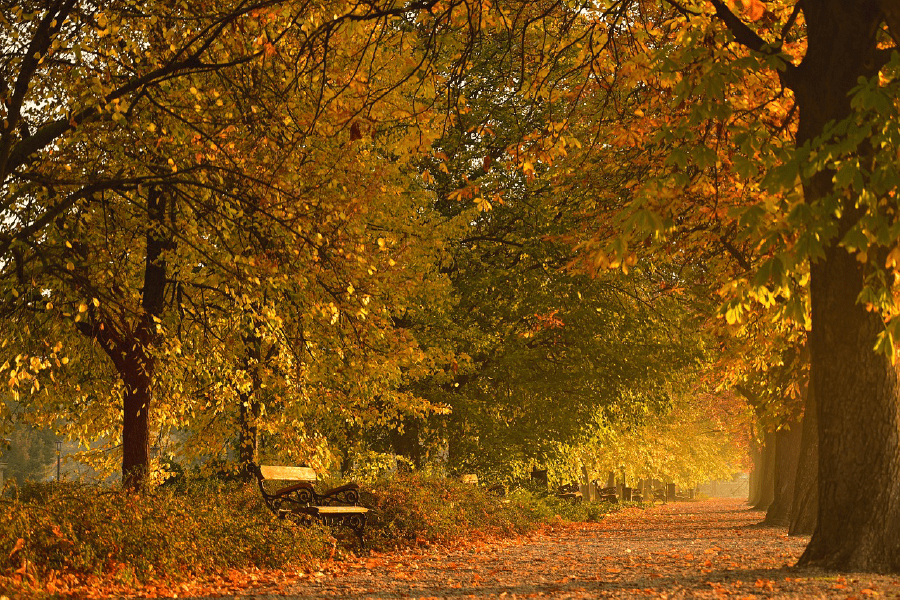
[709,549]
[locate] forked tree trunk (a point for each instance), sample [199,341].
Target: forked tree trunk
[787,455]
[806,490]
[857,390]
[131,350]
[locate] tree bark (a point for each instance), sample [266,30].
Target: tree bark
[404,440]
[767,473]
[137,376]
[248,439]
[755,483]
[138,362]
[857,390]
[787,455]
[249,409]
[806,490]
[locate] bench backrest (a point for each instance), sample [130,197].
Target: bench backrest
[288,473]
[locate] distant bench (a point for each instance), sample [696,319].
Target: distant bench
[336,507]
[570,491]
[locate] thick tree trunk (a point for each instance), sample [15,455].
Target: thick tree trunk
[858,524]
[767,473]
[136,424]
[787,455]
[857,390]
[806,490]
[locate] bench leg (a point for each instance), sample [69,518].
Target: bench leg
[354,522]
[358,523]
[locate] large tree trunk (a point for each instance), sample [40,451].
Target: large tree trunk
[806,490]
[787,455]
[136,421]
[139,364]
[857,390]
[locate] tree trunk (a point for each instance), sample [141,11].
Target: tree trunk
[767,473]
[787,455]
[806,489]
[248,439]
[755,483]
[136,422]
[405,442]
[857,390]
[249,409]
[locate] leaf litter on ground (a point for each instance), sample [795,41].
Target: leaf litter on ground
[705,549]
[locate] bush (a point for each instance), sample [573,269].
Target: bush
[169,533]
[412,509]
[197,526]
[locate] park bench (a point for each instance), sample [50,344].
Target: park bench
[299,500]
[605,494]
[570,491]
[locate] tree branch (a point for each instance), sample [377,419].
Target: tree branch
[752,41]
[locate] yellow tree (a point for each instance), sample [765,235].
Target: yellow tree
[173,179]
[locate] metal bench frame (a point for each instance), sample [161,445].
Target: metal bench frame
[335,507]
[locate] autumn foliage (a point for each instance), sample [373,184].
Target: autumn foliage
[65,539]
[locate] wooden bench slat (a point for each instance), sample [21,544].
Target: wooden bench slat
[288,473]
[341,509]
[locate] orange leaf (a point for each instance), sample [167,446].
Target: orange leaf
[19,543]
[755,9]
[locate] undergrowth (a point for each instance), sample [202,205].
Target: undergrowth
[72,530]
[176,533]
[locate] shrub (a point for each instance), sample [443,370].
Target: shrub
[211,525]
[171,532]
[413,508]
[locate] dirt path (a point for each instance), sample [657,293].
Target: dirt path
[710,549]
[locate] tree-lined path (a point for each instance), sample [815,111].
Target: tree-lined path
[707,549]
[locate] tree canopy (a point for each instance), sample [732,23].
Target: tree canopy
[329,230]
